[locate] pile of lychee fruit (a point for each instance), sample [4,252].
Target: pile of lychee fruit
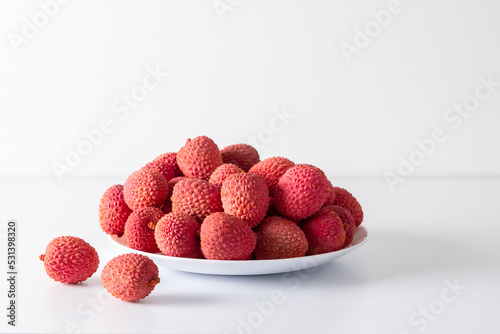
[202,202]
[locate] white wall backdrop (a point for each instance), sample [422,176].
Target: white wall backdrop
[357,88]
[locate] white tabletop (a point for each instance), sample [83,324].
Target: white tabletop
[430,265]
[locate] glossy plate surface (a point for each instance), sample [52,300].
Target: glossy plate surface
[250,267]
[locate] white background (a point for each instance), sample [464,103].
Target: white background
[355,118]
[227,76]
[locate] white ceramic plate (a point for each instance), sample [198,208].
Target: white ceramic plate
[250,267]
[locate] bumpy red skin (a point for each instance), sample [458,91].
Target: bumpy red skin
[171,159]
[70,259]
[245,196]
[130,277]
[279,238]
[178,234]
[199,158]
[196,197]
[145,188]
[138,232]
[346,200]
[301,192]
[271,170]
[222,172]
[242,155]
[163,165]
[113,211]
[324,232]
[347,220]
[226,237]
[331,194]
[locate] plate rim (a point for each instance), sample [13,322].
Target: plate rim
[251,264]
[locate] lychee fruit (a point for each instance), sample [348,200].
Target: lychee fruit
[300,192]
[70,259]
[139,229]
[113,211]
[279,238]
[178,234]
[324,232]
[330,199]
[163,165]
[347,220]
[245,196]
[199,158]
[130,277]
[167,205]
[346,200]
[242,155]
[171,159]
[226,237]
[196,197]
[271,170]
[144,188]
[221,173]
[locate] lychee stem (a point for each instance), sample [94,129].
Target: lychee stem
[152,225]
[42,257]
[154,281]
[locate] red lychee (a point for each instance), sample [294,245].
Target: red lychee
[178,234]
[242,155]
[70,259]
[346,200]
[196,197]
[222,172]
[113,211]
[245,196]
[279,238]
[130,277]
[145,188]
[139,229]
[199,158]
[324,232]
[226,237]
[300,192]
[271,170]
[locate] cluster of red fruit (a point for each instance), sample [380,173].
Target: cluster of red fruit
[202,202]
[129,277]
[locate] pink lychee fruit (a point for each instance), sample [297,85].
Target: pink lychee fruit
[324,232]
[300,192]
[130,277]
[245,196]
[279,238]
[145,188]
[70,259]
[196,197]
[139,229]
[242,155]
[226,237]
[178,234]
[346,200]
[271,170]
[199,158]
[113,211]
[222,172]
